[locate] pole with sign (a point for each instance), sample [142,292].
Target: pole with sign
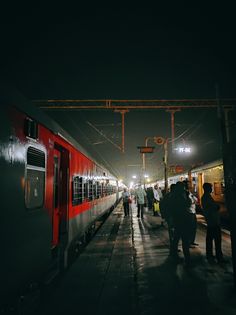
[144,150]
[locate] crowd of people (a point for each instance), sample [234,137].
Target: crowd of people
[177,208]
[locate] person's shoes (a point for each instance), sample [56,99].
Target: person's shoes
[194,244]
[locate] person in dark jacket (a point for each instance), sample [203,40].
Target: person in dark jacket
[212,216]
[166,214]
[125,197]
[192,211]
[150,197]
[180,204]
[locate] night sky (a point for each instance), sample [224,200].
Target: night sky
[125,52]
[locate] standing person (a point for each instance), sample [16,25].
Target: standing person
[140,195]
[166,213]
[212,216]
[150,197]
[192,211]
[156,200]
[159,192]
[125,197]
[180,203]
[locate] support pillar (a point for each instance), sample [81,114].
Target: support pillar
[172,113]
[122,112]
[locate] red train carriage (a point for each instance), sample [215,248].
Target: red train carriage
[52,193]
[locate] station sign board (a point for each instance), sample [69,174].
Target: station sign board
[146,149]
[176,169]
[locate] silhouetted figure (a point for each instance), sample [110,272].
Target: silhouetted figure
[125,197]
[150,197]
[192,211]
[212,216]
[157,195]
[140,195]
[181,220]
[166,208]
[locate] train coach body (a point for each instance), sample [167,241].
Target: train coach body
[209,173]
[213,173]
[52,193]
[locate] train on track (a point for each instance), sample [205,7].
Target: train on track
[213,173]
[52,196]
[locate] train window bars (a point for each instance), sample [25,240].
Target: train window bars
[31,128]
[77,190]
[35,178]
[90,190]
[86,190]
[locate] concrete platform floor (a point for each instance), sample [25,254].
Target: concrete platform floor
[126,269]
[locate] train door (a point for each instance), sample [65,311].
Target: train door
[60,196]
[200,183]
[56,184]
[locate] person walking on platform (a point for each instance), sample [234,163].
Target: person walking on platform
[192,211]
[140,195]
[166,214]
[180,203]
[212,216]
[125,197]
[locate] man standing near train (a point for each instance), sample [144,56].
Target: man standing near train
[180,203]
[125,197]
[212,216]
[192,211]
[140,195]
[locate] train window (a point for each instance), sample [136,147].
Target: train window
[86,189]
[34,178]
[34,188]
[35,157]
[94,190]
[31,128]
[99,190]
[90,190]
[102,190]
[77,190]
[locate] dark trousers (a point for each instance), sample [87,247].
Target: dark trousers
[149,203]
[193,228]
[126,208]
[213,233]
[181,232]
[171,233]
[140,210]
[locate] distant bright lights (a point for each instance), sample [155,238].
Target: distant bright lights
[183,150]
